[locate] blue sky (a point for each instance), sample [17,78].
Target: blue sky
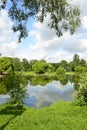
[42,42]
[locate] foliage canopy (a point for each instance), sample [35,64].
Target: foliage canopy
[5,64]
[63,15]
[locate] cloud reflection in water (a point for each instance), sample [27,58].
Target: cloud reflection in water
[44,96]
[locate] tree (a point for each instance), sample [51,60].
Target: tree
[15,85]
[75,62]
[63,15]
[80,69]
[64,64]
[17,64]
[83,63]
[60,72]
[5,64]
[81,93]
[40,67]
[76,58]
[25,64]
[3,89]
[31,63]
[55,65]
[50,67]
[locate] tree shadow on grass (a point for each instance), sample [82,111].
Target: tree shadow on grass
[10,110]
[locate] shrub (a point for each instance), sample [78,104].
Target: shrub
[81,93]
[60,71]
[80,69]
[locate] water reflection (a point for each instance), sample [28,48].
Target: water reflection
[40,91]
[15,85]
[39,96]
[4,98]
[40,80]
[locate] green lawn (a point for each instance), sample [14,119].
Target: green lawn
[69,73]
[31,73]
[59,116]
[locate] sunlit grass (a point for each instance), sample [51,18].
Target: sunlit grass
[69,73]
[31,73]
[60,116]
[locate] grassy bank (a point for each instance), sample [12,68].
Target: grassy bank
[70,73]
[31,73]
[60,116]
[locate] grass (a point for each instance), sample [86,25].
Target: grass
[28,73]
[70,73]
[31,73]
[59,116]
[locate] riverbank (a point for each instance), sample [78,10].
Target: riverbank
[59,116]
[31,73]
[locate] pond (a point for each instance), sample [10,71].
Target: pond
[4,98]
[45,92]
[41,96]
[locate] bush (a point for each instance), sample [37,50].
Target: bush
[40,67]
[80,69]
[17,91]
[81,93]
[60,72]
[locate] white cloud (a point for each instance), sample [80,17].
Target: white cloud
[85,22]
[82,4]
[54,49]
[7,38]
[47,45]
[9,49]
[5,26]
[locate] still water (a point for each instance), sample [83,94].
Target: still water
[41,96]
[41,92]
[4,98]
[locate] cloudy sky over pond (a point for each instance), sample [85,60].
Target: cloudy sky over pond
[42,42]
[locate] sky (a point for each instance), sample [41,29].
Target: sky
[42,42]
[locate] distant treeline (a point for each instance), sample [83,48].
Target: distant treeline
[7,64]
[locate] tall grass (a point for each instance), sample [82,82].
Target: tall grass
[59,116]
